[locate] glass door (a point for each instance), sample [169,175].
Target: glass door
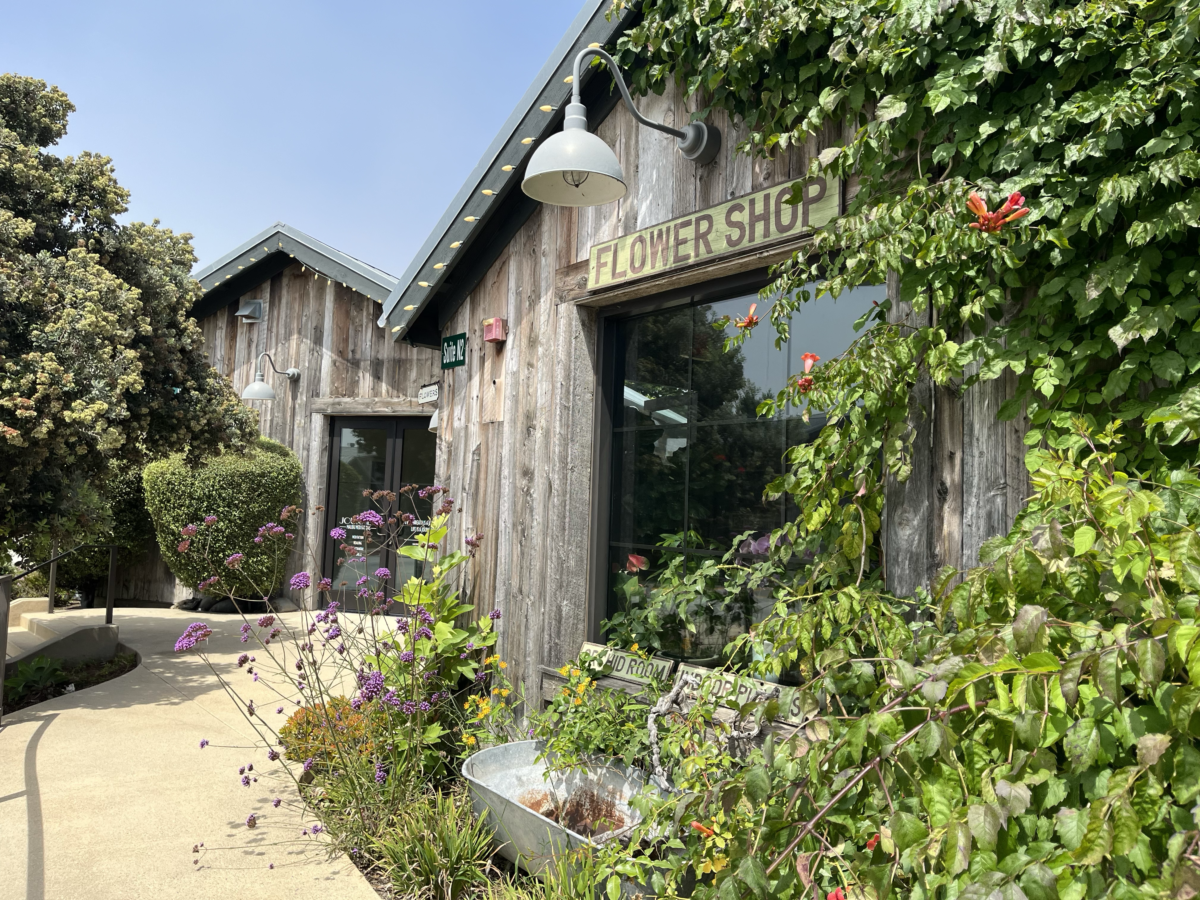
[370,455]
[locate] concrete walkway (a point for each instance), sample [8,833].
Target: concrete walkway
[104,792]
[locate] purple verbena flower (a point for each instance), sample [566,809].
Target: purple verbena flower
[272,755]
[407,656]
[494,615]
[338,534]
[194,634]
[422,632]
[308,764]
[266,621]
[188,531]
[251,821]
[383,573]
[245,781]
[203,743]
[380,773]
[182,546]
[275,803]
[243,659]
[234,560]
[325,584]
[300,581]
[210,520]
[371,685]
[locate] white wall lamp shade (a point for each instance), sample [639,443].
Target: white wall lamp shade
[433,421]
[574,167]
[258,389]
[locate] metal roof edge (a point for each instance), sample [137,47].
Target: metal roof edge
[562,56]
[331,262]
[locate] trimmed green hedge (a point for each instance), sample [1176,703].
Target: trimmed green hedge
[244,491]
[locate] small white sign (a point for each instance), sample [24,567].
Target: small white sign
[428,393]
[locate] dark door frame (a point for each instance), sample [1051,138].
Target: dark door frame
[395,427]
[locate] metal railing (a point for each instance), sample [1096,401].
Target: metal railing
[6,587]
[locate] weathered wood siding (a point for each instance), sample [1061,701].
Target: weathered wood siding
[348,364]
[518,422]
[517,427]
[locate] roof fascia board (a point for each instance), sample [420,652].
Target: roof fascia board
[549,88]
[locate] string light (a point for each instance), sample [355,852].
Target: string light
[423,283]
[569,79]
[397,328]
[506,168]
[527,140]
[456,245]
[546,108]
[487,192]
[410,307]
[469,219]
[594,44]
[439,265]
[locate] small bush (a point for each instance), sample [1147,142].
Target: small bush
[329,730]
[438,849]
[244,491]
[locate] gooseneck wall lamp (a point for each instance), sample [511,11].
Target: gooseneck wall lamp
[259,389]
[576,167]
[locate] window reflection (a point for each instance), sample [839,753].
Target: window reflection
[690,457]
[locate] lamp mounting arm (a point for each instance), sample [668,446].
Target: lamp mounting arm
[698,141]
[289,374]
[616,72]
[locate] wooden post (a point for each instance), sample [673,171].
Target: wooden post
[53,576]
[5,597]
[112,584]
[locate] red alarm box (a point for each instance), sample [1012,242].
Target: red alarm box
[495,331]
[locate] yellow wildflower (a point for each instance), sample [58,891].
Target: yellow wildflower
[574,672]
[564,670]
[504,692]
[503,664]
[469,740]
[582,687]
[633,649]
[716,864]
[578,701]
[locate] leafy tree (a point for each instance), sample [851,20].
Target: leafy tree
[99,363]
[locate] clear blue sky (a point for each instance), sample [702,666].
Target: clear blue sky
[355,122]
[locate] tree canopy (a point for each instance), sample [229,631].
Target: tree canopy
[100,366]
[1088,109]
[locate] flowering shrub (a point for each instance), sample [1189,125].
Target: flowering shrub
[326,731]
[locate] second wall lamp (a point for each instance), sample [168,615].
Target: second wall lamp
[576,167]
[259,389]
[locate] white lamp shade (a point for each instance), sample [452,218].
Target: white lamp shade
[574,168]
[258,389]
[433,421]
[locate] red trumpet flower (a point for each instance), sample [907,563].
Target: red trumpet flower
[871,844]
[837,894]
[809,360]
[707,832]
[991,222]
[751,319]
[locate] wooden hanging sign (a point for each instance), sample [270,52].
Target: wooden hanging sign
[796,706]
[746,223]
[631,666]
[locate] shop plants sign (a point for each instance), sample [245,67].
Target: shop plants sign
[746,223]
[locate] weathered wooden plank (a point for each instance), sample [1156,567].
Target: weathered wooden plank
[657,159]
[947,478]
[907,504]
[985,483]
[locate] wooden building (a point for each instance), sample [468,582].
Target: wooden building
[353,417]
[607,418]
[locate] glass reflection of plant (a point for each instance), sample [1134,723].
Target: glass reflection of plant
[685,606]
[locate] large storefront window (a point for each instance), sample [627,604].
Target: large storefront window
[690,457]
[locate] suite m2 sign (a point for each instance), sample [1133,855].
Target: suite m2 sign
[454,351]
[747,223]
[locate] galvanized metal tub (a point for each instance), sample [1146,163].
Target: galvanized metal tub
[537,816]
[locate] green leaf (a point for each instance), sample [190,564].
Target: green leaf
[1151,747]
[890,107]
[1108,675]
[1126,826]
[1068,679]
[1071,825]
[758,784]
[1183,704]
[985,821]
[1029,571]
[956,853]
[1039,882]
[1085,539]
[1097,840]
[1029,625]
[752,874]
[1151,660]
[1081,743]
[1168,365]
[613,887]
[907,830]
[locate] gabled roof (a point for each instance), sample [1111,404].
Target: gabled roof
[490,207]
[273,250]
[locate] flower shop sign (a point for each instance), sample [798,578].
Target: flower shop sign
[746,223]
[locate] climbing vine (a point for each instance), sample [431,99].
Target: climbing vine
[1087,110]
